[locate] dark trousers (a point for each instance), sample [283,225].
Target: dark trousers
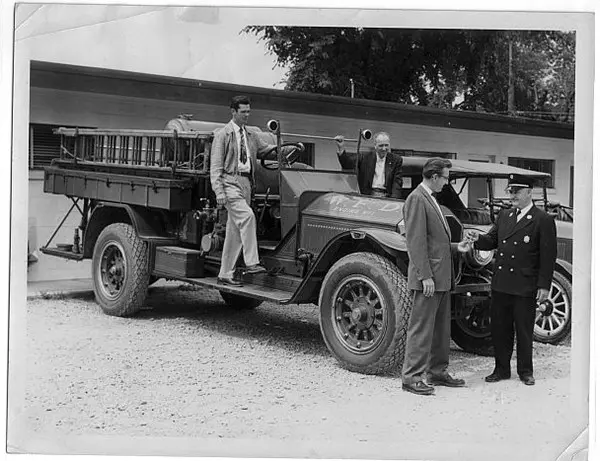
[428,337]
[513,314]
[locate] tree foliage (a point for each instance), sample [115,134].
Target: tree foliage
[458,69]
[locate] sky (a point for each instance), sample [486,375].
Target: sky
[202,43]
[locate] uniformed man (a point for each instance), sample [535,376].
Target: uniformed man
[525,239]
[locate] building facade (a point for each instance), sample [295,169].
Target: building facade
[75,96]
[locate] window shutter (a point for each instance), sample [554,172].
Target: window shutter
[46,145]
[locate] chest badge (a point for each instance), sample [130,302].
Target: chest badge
[528,216]
[526,239]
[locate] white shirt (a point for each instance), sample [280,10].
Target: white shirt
[524,211]
[242,167]
[437,205]
[379,176]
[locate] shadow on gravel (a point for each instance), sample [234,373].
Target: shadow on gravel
[292,327]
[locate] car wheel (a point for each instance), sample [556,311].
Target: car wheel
[555,327]
[365,305]
[473,332]
[120,272]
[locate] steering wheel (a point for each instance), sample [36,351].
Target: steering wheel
[290,158]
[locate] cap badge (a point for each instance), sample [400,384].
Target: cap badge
[526,239]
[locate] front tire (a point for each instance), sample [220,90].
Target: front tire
[365,305]
[554,328]
[120,270]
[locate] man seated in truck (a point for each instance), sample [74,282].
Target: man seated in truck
[379,172]
[232,169]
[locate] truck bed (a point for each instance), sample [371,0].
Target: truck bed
[112,183]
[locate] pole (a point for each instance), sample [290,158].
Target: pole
[352,88]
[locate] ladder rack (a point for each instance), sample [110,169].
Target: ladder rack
[188,151]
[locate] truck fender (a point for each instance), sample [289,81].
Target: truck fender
[377,240]
[564,267]
[147,223]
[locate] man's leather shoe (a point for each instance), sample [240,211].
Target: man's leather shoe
[419,388]
[228,281]
[446,380]
[495,377]
[256,269]
[528,380]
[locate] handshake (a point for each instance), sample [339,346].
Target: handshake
[470,237]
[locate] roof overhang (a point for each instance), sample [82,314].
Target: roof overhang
[133,84]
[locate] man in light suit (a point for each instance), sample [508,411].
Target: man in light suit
[525,239]
[232,167]
[430,278]
[379,172]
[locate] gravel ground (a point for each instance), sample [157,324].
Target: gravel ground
[188,366]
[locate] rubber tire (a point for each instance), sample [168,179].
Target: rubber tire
[238,302]
[565,331]
[474,345]
[388,357]
[137,275]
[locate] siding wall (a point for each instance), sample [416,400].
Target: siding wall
[58,107]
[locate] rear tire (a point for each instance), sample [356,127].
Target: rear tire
[238,302]
[556,327]
[120,272]
[365,305]
[473,332]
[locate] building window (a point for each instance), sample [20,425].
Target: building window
[44,145]
[535,164]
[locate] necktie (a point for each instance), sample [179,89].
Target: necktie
[517,211]
[243,153]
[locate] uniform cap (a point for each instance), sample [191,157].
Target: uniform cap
[517,180]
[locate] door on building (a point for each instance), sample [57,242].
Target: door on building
[478,187]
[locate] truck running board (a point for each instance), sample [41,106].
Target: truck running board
[248,290]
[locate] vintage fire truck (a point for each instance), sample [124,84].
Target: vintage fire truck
[148,212]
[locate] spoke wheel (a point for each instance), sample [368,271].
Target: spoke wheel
[364,308]
[112,269]
[120,272]
[359,316]
[555,327]
[473,332]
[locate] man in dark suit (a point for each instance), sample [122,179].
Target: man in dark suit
[379,172]
[525,238]
[430,278]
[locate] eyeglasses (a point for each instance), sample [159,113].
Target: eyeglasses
[447,178]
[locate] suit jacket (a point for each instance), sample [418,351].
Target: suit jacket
[224,155]
[428,241]
[366,171]
[526,251]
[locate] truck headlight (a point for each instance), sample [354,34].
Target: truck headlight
[476,259]
[482,257]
